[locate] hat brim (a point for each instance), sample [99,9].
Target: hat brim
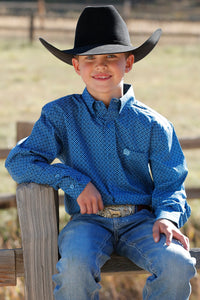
[138,52]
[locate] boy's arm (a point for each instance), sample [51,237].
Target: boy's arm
[169,171]
[30,160]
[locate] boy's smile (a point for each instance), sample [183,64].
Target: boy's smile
[103,74]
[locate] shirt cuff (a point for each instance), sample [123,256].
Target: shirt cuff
[171,216]
[74,187]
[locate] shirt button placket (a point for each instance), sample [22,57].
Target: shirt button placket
[110,142]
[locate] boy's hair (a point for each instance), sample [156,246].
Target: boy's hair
[127,54]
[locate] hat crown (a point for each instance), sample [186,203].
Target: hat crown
[101,30]
[101,26]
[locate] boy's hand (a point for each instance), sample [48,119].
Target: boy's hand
[90,200]
[170,231]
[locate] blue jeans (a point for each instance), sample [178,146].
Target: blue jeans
[87,242]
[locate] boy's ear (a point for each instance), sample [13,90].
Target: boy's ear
[129,63]
[75,64]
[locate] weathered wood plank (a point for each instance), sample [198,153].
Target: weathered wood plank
[4,153]
[190,143]
[195,252]
[38,216]
[23,129]
[193,193]
[7,268]
[7,200]
[119,264]
[12,266]
[19,262]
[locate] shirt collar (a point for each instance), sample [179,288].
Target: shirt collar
[128,96]
[124,100]
[89,100]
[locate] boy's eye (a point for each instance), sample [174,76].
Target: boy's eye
[111,55]
[90,57]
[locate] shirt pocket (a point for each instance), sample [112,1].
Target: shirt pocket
[134,162]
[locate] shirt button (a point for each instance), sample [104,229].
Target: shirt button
[126,152]
[57,176]
[71,186]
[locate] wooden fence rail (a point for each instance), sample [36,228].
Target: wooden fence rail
[12,265]
[24,129]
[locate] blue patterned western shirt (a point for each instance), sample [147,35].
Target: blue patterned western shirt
[128,151]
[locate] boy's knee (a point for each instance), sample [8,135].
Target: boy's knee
[75,279]
[77,266]
[177,263]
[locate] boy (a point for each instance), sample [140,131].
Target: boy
[122,168]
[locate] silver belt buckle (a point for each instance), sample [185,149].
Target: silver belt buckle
[117,211]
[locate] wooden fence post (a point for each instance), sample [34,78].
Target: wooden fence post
[126,9]
[23,130]
[38,216]
[31,28]
[41,12]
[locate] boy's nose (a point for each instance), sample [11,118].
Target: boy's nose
[101,63]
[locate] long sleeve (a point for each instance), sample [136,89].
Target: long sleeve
[31,159]
[169,171]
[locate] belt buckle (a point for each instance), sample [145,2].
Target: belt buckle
[116,211]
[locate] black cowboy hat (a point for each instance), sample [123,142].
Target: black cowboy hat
[101,30]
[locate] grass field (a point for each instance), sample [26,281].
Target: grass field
[167,80]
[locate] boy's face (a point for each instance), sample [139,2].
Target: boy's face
[103,74]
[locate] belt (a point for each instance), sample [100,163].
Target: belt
[118,211]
